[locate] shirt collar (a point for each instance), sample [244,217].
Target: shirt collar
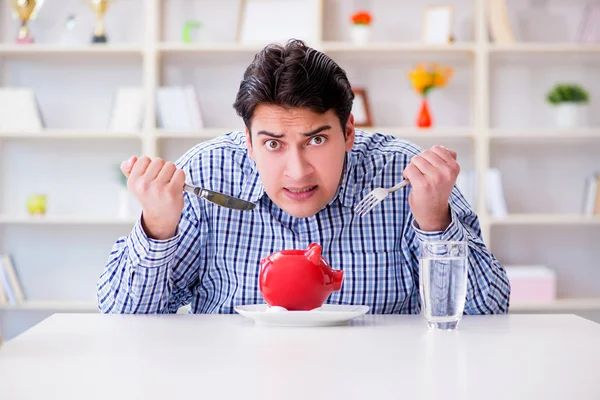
[346,190]
[252,189]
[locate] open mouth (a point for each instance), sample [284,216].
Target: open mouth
[300,193]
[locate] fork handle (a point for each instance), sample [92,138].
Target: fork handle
[399,186]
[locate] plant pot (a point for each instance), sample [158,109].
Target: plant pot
[360,34]
[570,115]
[424,119]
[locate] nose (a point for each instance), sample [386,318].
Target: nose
[297,166]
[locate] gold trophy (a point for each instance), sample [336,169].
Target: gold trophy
[99,7]
[25,10]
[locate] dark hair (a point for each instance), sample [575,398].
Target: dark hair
[294,76]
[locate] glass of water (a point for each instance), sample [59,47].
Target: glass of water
[443,268]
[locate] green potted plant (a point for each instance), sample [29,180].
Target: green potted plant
[568,99]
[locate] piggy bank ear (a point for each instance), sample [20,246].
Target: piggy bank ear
[313,253]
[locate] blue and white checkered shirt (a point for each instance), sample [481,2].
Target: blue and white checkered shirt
[213,261]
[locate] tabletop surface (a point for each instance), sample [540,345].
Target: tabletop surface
[89,356]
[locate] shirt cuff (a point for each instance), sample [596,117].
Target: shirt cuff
[454,231]
[147,252]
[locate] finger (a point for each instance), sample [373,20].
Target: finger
[450,158]
[154,169]
[127,165]
[414,176]
[166,173]
[446,154]
[424,166]
[178,180]
[434,159]
[140,167]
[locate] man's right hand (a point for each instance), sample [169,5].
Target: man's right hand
[158,186]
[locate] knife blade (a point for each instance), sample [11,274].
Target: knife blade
[219,199]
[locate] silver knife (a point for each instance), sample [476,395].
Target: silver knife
[219,199]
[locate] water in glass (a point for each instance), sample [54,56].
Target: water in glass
[443,283]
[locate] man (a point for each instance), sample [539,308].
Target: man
[304,165]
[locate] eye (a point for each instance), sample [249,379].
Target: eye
[318,140]
[272,144]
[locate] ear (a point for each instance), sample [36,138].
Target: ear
[350,133]
[249,144]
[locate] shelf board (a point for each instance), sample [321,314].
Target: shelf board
[71,134]
[396,47]
[203,134]
[545,134]
[545,48]
[402,132]
[412,133]
[65,220]
[557,305]
[50,305]
[45,49]
[167,47]
[547,219]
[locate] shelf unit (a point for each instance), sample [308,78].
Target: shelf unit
[468,111]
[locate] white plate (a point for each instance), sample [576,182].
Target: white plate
[327,315]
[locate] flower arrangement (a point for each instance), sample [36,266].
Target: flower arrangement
[361,17]
[424,78]
[567,93]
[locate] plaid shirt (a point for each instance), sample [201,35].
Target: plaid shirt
[213,261]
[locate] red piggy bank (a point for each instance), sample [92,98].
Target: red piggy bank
[298,279]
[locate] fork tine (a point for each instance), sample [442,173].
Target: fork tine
[368,205]
[364,202]
[371,206]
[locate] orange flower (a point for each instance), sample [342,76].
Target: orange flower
[425,78]
[361,18]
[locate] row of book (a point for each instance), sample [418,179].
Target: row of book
[11,290]
[178,110]
[496,201]
[591,197]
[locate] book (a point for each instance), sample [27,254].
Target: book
[3,298]
[500,29]
[591,195]
[531,283]
[495,194]
[467,186]
[128,110]
[178,109]
[10,284]
[19,110]
[597,197]
[589,30]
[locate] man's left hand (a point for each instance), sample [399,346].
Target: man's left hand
[432,175]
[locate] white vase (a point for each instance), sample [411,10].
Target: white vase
[360,34]
[569,115]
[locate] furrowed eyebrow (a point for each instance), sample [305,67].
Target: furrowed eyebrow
[317,131]
[307,134]
[271,134]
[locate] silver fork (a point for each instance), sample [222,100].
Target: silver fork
[375,197]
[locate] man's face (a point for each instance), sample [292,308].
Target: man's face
[299,155]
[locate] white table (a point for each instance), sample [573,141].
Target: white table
[91,356]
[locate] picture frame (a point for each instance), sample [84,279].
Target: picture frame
[361,108]
[268,21]
[438,21]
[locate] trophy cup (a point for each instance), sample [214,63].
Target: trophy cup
[99,7]
[25,10]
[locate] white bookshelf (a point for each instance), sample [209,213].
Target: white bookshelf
[492,113]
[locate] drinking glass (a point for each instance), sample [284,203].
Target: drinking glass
[443,269]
